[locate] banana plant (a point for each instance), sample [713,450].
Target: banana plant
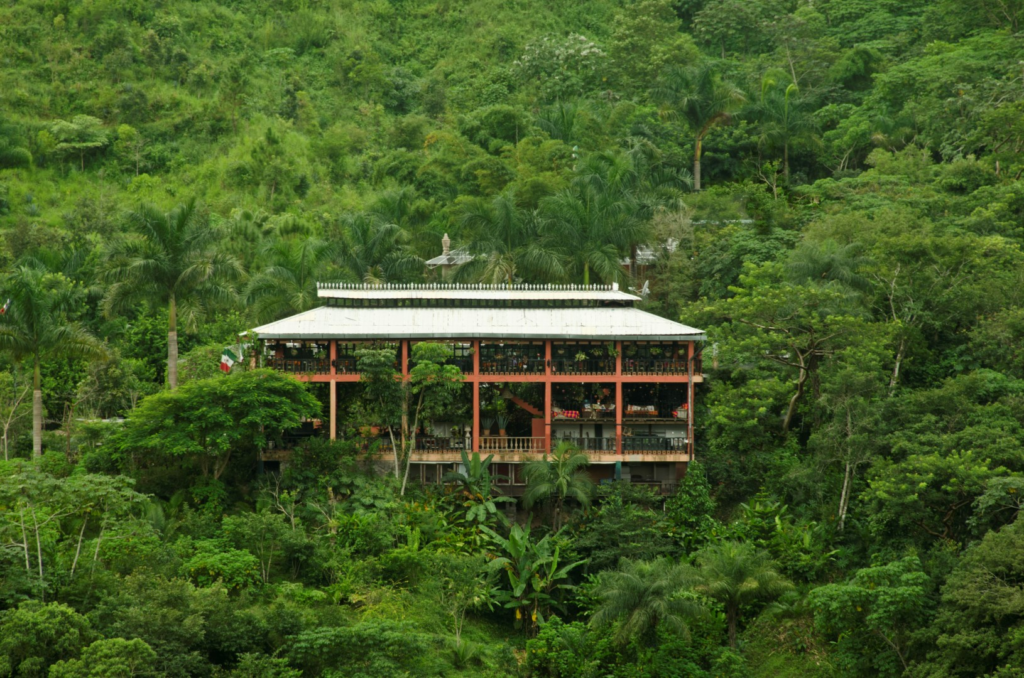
[477,495]
[535,574]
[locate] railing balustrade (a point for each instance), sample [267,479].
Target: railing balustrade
[346,365]
[600,444]
[653,444]
[300,365]
[464,364]
[511,366]
[511,444]
[653,366]
[588,366]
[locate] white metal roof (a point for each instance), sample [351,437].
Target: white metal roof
[410,322]
[610,293]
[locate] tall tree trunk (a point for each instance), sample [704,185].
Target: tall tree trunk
[586,273]
[844,496]
[37,410]
[785,160]
[791,410]
[172,344]
[894,380]
[731,615]
[696,164]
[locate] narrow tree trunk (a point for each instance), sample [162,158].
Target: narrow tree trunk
[731,615]
[895,378]
[172,344]
[78,549]
[586,273]
[696,165]
[24,543]
[791,410]
[785,160]
[37,410]
[39,549]
[844,496]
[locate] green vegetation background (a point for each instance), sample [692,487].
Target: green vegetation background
[854,255]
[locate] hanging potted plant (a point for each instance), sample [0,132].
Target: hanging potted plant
[580,358]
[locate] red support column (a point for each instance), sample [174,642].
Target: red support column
[547,395]
[689,399]
[476,395]
[334,392]
[405,358]
[334,410]
[619,407]
[619,404]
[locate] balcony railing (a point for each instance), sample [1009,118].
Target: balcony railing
[600,444]
[653,444]
[300,365]
[346,365]
[463,363]
[653,366]
[588,366]
[511,366]
[512,444]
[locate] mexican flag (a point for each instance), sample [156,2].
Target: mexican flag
[227,360]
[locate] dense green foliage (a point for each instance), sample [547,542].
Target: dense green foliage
[174,173]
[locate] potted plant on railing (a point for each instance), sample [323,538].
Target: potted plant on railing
[581,357]
[502,418]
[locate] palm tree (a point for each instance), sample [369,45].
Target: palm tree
[375,251]
[563,477]
[702,99]
[735,574]
[829,261]
[783,117]
[642,595]
[287,284]
[596,220]
[170,259]
[37,326]
[508,243]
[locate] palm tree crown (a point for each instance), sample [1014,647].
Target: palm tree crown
[700,97]
[287,283]
[170,259]
[640,596]
[376,251]
[735,574]
[507,243]
[37,325]
[596,220]
[563,477]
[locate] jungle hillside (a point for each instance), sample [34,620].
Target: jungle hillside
[833,190]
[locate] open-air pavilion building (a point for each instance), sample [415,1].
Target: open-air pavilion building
[543,364]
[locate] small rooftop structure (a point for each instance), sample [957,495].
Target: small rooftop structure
[450,257]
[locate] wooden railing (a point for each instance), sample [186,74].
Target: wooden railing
[511,444]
